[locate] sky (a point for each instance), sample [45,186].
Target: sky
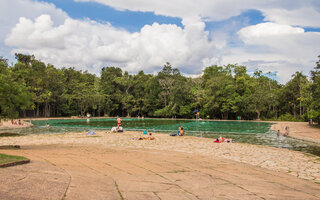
[277,36]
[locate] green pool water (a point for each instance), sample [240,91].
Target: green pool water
[240,131]
[191,126]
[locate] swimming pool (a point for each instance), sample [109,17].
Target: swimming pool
[240,131]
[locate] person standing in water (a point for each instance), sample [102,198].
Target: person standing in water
[287,131]
[119,120]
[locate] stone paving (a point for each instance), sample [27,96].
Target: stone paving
[98,172]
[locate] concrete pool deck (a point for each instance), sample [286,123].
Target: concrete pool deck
[114,166]
[95,172]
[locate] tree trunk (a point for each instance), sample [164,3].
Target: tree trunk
[258,114]
[37,112]
[300,109]
[165,100]
[294,110]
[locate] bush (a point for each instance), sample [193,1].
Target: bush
[286,117]
[289,117]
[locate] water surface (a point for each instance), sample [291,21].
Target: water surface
[240,131]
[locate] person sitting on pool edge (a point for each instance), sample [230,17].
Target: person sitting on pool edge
[181,132]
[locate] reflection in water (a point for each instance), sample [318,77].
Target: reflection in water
[240,131]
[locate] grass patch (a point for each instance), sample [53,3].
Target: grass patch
[4,158]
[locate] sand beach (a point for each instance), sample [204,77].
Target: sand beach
[115,166]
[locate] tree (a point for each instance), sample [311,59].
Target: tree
[166,79]
[294,93]
[140,92]
[314,112]
[33,88]
[260,92]
[244,87]
[111,89]
[220,92]
[174,93]
[13,93]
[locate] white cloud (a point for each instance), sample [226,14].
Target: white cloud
[290,12]
[275,47]
[279,45]
[12,10]
[272,46]
[266,30]
[305,16]
[88,43]
[213,10]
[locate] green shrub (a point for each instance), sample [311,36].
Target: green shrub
[289,117]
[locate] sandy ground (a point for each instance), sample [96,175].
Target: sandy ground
[9,125]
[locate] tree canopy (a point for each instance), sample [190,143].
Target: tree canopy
[31,88]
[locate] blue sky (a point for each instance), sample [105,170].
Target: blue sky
[281,36]
[133,20]
[129,20]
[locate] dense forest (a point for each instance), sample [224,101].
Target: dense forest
[31,88]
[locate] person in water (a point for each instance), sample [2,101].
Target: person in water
[287,131]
